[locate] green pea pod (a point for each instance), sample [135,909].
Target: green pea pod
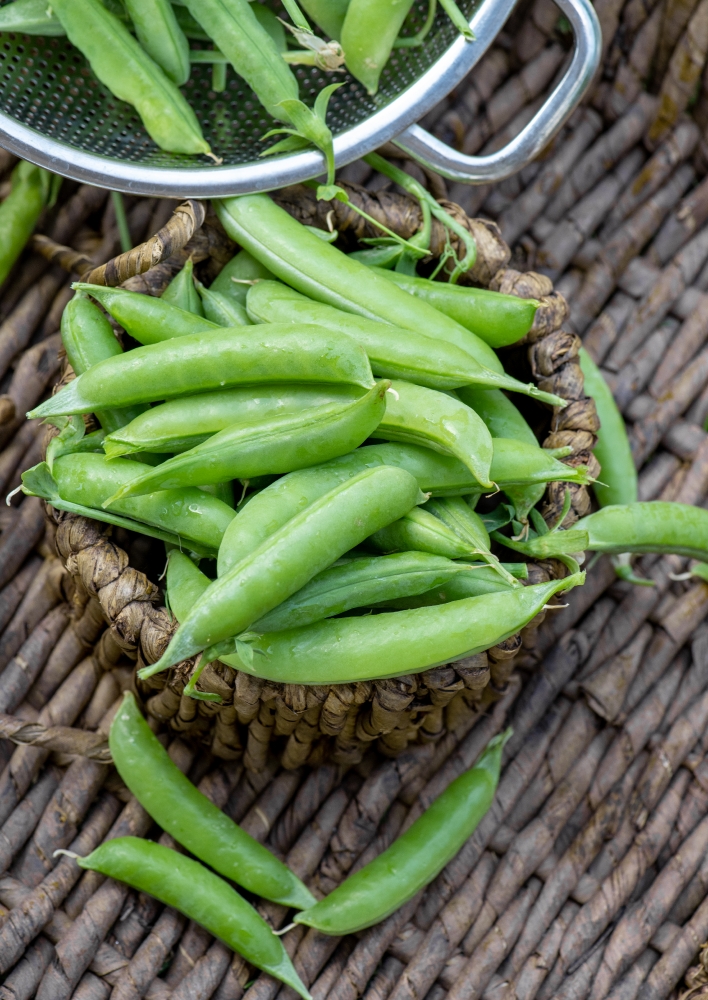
[260,447]
[90,479]
[460,518]
[181,292]
[182,811]
[421,531]
[320,271]
[282,564]
[392,351]
[30,17]
[484,580]
[549,545]
[161,36]
[236,278]
[416,856]
[220,358]
[88,338]
[498,319]
[327,15]
[220,309]
[618,472]
[653,526]
[149,320]
[250,50]
[184,583]
[517,463]
[369,30]
[417,415]
[189,887]
[372,647]
[20,210]
[185,423]
[497,411]
[121,64]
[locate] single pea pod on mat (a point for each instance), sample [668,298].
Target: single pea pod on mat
[147,319]
[180,292]
[189,421]
[88,338]
[417,856]
[319,270]
[307,544]
[653,526]
[393,351]
[619,475]
[189,513]
[122,65]
[182,811]
[373,647]
[497,319]
[199,894]
[161,36]
[219,359]
[259,447]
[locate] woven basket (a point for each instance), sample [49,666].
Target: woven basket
[482,929]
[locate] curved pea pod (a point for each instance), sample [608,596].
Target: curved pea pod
[250,50]
[30,17]
[320,271]
[189,421]
[255,448]
[460,518]
[184,583]
[498,319]
[307,544]
[90,479]
[347,650]
[618,473]
[88,338]
[130,74]
[414,858]
[181,291]
[417,415]
[220,309]
[393,352]
[147,319]
[236,278]
[369,30]
[194,890]
[653,526]
[515,462]
[220,358]
[482,580]
[497,411]
[161,36]
[421,531]
[327,15]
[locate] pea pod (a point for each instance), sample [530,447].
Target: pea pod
[235,278]
[180,293]
[282,564]
[130,74]
[416,856]
[392,351]
[653,526]
[421,531]
[147,319]
[517,463]
[417,415]
[181,810]
[189,887]
[30,17]
[189,421]
[219,358]
[90,479]
[254,448]
[325,274]
[20,210]
[369,30]
[498,319]
[161,36]
[618,472]
[185,584]
[347,650]
[327,15]
[221,309]
[484,580]
[460,518]
[88,338]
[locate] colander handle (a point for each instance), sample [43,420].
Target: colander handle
[456,166]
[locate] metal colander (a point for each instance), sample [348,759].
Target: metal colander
[55,112]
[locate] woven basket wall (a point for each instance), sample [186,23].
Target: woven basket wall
[605,789]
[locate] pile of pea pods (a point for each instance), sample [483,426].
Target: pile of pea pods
[139,49]
[361,414]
